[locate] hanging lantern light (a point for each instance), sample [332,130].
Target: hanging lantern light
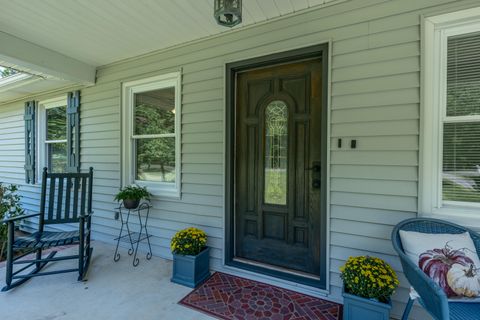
[228,13]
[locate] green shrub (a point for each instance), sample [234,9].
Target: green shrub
[9,208]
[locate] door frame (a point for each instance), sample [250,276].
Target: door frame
[231,69]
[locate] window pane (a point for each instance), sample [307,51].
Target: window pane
[155,159]
[155,112]
[276,127]
[57,123]
[461,162]
[57,157]
[463,75]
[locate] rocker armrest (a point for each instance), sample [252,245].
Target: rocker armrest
[86,215]
[19,218]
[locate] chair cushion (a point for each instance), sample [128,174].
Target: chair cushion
[47,239]
[448,259]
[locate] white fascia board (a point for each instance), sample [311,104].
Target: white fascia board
[42,61]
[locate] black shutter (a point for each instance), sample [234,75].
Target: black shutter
[29,117]
[73,131]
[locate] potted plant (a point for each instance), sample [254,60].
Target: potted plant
[191,259]
[368,284]
[131,196]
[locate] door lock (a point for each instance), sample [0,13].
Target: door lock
[316,174]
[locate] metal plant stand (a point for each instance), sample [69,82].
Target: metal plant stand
[133,238]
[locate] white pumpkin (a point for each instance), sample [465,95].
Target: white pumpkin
[464,280]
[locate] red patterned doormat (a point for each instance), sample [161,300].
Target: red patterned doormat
[228,297]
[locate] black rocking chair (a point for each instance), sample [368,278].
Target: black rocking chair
[65,198]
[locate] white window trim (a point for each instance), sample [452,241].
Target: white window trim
[42,128]
[162,189]
[436,30]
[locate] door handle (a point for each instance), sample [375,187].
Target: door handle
[315,168]
[316,175]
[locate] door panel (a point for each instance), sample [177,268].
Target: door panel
[278,166]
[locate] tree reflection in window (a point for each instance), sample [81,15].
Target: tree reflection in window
[154,135]
[276,153]
[56,139]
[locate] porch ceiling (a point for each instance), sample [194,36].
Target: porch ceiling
[62,42]
[101,32]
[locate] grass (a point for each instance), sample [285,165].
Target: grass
[154,174]
[454,192]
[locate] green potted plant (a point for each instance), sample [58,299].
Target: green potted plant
[191,259]
[131,196]
[368,284]
[9,208]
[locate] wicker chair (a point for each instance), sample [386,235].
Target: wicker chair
[432,297]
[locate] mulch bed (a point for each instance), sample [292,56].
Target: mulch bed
[229,297]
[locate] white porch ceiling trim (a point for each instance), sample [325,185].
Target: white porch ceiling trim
[38,60]
[16,81]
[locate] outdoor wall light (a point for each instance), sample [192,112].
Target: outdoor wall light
[228,13]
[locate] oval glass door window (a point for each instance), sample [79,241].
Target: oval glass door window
[276,153]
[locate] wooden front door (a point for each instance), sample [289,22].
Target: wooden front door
[278,167]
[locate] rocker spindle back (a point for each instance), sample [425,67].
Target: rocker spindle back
[65,196]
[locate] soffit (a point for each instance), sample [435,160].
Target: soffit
[102,32]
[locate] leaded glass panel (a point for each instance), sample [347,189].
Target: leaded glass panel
[276,153]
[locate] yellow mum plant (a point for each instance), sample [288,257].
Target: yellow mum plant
[190,241]
[369,277]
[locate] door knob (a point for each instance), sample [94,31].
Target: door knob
[315,168]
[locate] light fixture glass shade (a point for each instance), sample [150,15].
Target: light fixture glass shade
[228,13]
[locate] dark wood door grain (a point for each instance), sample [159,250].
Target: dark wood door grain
[284,233]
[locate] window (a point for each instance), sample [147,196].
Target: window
[276,153]
[151,134]
[450,155]
[53,135]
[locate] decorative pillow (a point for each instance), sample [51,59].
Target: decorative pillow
[450,260]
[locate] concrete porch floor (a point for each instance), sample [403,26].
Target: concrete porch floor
[114,290]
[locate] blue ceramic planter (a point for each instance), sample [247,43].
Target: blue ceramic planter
[358,308]
[191,271]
